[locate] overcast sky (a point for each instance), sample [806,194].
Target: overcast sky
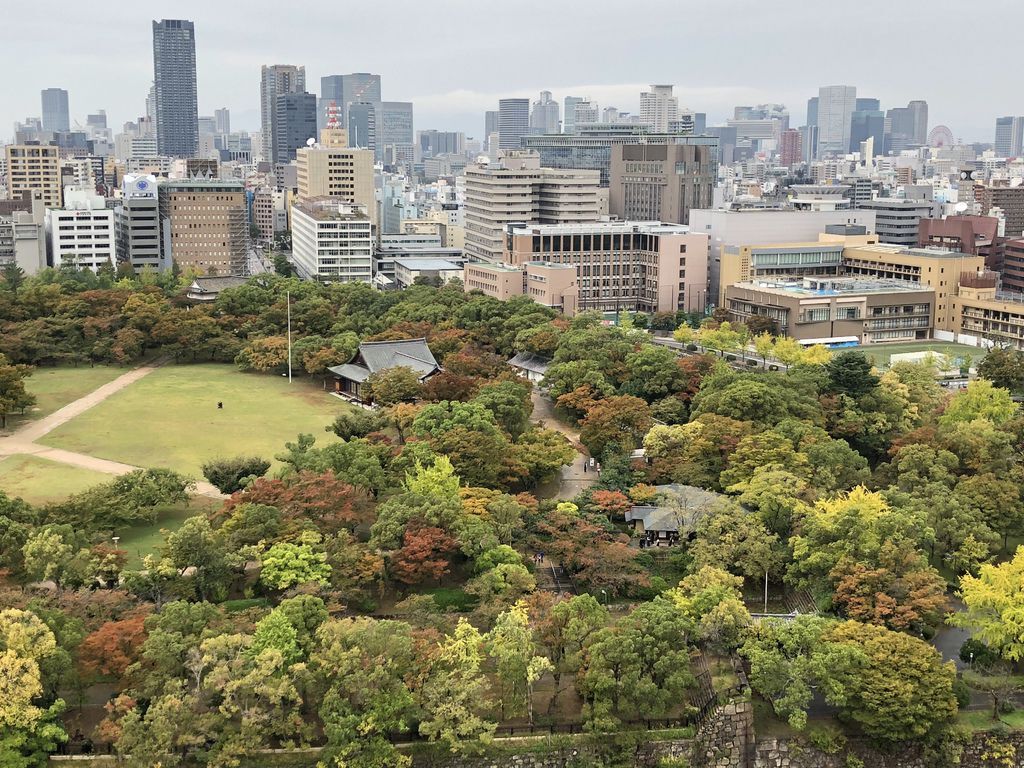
[455,58]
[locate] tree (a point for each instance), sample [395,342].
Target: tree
[390,386]
[454,694]
[355,423]
[736,540]
[113,647]
[424,554]
[510,644]
[652,373]
[287,564]
[53,552]
[275,631]
[228,475]
[509,403]
[13,395]
[1004,367]
[994,606]
[981,400]
[620,421]
[849,373]
[363,668]
[542,453]
[320,498]
[712,599]
[195,545]
[561,627]
[900,688]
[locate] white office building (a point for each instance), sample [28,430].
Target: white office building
[332,241]
[82,232]
[836,105]
[659,108]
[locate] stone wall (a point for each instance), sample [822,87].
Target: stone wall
[724,738]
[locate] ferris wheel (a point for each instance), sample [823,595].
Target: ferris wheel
[940,136]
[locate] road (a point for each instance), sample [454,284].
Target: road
[573,478]
[23,440]
[681,348]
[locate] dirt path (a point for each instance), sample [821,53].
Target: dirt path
[22,440]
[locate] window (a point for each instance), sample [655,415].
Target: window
[682,249]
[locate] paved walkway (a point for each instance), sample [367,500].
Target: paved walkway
[573,478]
[23,440]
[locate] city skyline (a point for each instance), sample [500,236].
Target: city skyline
[467,67]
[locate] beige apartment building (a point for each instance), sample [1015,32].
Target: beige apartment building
[35,166]
[985,312]
[338,172]
[517,190]
[837,309]
[662,182]
[204,226]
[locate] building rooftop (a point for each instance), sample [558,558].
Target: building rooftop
[495,267]
[832,286]
[600,227]
[330,209]
[890,249]
[427,264]
[550,265]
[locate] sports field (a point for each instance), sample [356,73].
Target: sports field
[170,418]
[879,354]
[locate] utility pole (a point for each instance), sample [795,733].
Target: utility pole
[288,298]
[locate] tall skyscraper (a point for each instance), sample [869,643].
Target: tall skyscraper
[222,117]
[867,122]
[174,75]
[354,88]
[812,111]
[55,110]
[294,124]
[394,127]
[277,80]
[659,108]
[1009,134]
[661,182]
[569,114]
[919,109]
[908,126]
[513,122]
[362,125]
[790,148]
[836,105]
[544,114]
[35,167]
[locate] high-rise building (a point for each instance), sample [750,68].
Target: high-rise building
[919,109]
[587,112]
[490,122]
[513,122]
[1010,202]
[294,124]
[81,233]
[343,90]
[277,80]
[897,220]
[569,114]
[867,124]
[176,100]
[341,173]
[56,116]
[332,241]
[661,182]
[908,126]
[591,146]
[518,190]
[836,104]
[433,142]
[1009,141]
[790,148]
[812,111]
[23,232]
[395,128]
[362,125]
[658,108]
[137,223]
[35,166]
[204,226]
[544,114]
[222,118]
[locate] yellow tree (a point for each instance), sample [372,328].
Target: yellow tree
[995,606]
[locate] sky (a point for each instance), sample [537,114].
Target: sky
[455,58]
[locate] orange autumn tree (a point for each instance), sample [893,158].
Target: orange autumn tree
[113,647]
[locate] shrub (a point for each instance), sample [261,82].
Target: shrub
[228,474]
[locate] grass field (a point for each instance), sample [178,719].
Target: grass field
[39,481]
[141,540]
[170,418]
[879,353]
[56,387]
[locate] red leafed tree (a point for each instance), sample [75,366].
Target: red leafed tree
[424,554]
[112,648]
[450,386]
[330,503]
[611,503]
[694,368]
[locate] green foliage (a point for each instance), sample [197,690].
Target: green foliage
[286,564]
[230,475]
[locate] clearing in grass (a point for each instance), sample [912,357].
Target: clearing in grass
[56,387]
[40,481]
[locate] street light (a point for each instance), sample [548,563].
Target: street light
[605,593]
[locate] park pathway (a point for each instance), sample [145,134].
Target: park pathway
[23,440]
[574,476]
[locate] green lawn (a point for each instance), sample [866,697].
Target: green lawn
[56,387]
[879,353]
[38,481]
[141,540]
[170,418]
[981,720]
